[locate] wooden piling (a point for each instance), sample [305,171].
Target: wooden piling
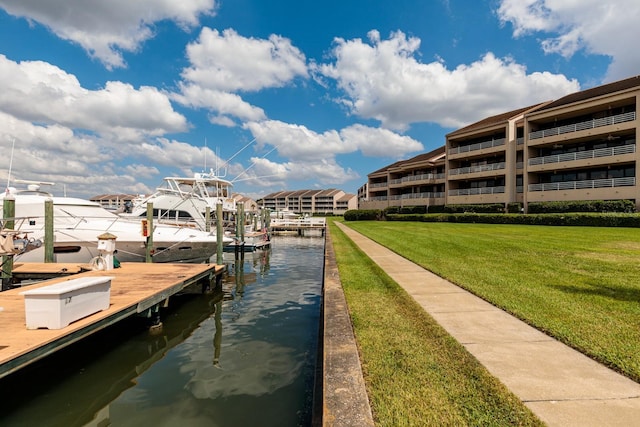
[48,231]
[219,234]
[149,257]
[9,213]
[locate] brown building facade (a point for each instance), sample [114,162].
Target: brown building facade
[579,147]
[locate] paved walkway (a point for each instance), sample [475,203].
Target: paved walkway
[560,385]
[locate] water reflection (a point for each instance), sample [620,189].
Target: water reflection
[241,356]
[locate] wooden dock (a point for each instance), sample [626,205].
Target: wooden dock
[136,289]
[44,271]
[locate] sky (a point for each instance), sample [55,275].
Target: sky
[107,97]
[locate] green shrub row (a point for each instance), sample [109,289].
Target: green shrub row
[362,215]
[582,206]
[568,219]
[484,208]
[414,209]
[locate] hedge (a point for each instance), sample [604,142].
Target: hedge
[568,219]
[582,206]
[362,215]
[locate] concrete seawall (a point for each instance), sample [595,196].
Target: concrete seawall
[344,396]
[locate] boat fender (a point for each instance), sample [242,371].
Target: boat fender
[98,263]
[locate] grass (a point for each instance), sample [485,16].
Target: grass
[416,374]
[578,284]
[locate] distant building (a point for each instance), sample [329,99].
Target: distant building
[249,204]
[579,147]
[331,201]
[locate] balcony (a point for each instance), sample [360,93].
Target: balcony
[479,168]
[590,124]
[475,191]
[581,185]
[378,185]
[421,177]
[479,146]
[581,155]
[435,195]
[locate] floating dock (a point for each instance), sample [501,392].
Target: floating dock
[302,226]
[136,289]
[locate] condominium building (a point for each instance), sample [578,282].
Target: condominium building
[417,181]
[579,147]
[330,201]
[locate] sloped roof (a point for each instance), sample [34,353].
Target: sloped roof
[424,157]
[595,92]
[494,120]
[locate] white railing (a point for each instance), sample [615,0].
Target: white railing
[479,168]
[479,146]
[590,124]
[378,184]
[579,185]
[475,191]
[424,176]
[580,155]
[435,195]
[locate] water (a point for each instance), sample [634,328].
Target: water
[244,357]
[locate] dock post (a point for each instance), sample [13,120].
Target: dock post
[9,210]
[219,234]
[207,219]
[149,246]
[241,221]
[267,219]
[48,231]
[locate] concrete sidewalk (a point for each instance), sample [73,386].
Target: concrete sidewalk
[560,385]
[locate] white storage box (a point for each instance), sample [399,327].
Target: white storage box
[56,306]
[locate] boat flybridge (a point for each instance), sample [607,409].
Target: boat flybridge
[184,201]
[79,222]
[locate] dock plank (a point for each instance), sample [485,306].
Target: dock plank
[134,287]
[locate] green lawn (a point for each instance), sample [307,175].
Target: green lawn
[578,284]
[416,374]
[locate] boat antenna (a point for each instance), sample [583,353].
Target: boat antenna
[10,165]
[205,155]
[238,152]
[253,164]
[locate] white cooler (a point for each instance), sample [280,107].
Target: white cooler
[56,306]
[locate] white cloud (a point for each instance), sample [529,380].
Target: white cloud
[107,28]
[597,27]
[299,143]
[312,156]
[37,91]
[223,103]
[142,171]
[225,63]
[384,81]
[271,174]
[229,62]
[378,142]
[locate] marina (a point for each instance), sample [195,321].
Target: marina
[137,289]
[250,342]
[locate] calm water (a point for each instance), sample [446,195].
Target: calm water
[243,357]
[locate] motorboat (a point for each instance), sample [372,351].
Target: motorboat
[79,222]
[184,201]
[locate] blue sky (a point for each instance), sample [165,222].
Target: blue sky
[111,96]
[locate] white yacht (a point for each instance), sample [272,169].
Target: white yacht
[184,201]
[78,223]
